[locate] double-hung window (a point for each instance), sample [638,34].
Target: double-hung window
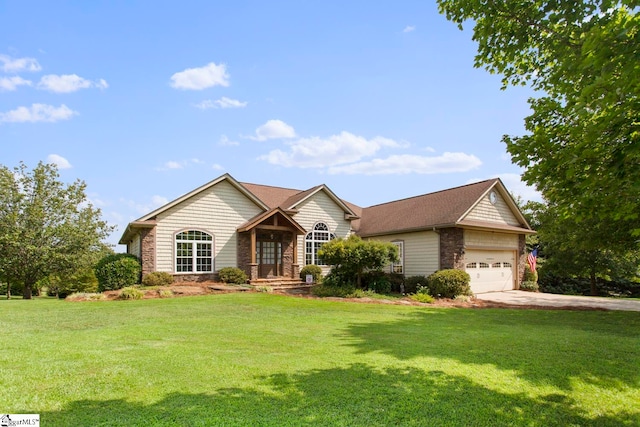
[194,252]
[398,266]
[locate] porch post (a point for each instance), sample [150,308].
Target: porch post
[254,263]
[295,268]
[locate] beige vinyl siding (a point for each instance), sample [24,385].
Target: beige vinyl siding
[498,212]
[421,251]
[320,208]
[218,211]
[489,240]
[134,246]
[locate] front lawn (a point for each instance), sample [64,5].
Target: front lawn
[263,359]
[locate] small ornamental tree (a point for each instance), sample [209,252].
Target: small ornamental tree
[355,256]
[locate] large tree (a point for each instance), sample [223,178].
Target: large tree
[575,249]
[582,150]
[46,227]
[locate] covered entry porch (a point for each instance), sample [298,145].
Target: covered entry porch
[268,247]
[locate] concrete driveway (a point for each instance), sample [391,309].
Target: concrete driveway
[553,300]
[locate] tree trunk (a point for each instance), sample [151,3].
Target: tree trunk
[8,290]
[26,292]
[594,288]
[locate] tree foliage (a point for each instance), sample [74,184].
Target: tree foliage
[46,227]
[575,249]
[582,150]
[354,255]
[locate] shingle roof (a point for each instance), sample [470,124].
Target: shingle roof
[273,197]
[442,208]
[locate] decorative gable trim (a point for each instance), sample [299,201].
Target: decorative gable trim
[499,187]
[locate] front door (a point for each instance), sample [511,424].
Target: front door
[269,255]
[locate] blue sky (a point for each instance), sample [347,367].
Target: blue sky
[147,100]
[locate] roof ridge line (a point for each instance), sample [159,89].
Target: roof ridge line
[434,192]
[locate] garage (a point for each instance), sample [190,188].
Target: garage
[490,271]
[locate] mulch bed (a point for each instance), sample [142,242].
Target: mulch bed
[206,288]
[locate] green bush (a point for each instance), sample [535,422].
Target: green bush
[412,283]
[426,298]
[530,276]
[529,286]
[449,283]
[377,281]
[165,293]
[313,270]
[117,271]
[339,277]
[84,296]
[325,290]
[157,278]
[232,275]
[83,281]
[131,292]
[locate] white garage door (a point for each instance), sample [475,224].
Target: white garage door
[490,271]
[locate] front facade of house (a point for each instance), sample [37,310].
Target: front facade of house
[272,232]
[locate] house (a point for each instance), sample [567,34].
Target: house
[271,232]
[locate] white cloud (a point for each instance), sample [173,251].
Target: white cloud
[225,141]
[201,78]
[157,201]
[16,65]
[223,102]
[409,28]
[408,163]
[316,152]
[274,129]
[59,161]
[67,83]
[217,167]
[174,165]
[12,83]
[37,113]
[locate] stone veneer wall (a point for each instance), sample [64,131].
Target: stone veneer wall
[148,250]
[522,260]
[452,248]
[244,253]
[287,254]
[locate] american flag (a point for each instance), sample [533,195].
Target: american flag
[532,259]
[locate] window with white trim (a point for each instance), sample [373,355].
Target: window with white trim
[398,267]
[194,252]
[314,241]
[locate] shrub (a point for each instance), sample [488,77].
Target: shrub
[325,290]
[313,270]
[131,292]
[232,275]
[117,271]
[449,283]
[157,278]
[426,298]
[396,280]
[530,276]
[85,296]
[529,286]
[83,281]
[339,277]
[412,283]
[463,298]
[377,281]
[165,293]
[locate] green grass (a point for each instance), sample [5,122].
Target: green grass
[264,359]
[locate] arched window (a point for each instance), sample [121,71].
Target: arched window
[194,252]
[314,241]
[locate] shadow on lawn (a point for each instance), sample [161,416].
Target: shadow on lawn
[354,396]
[543,347]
